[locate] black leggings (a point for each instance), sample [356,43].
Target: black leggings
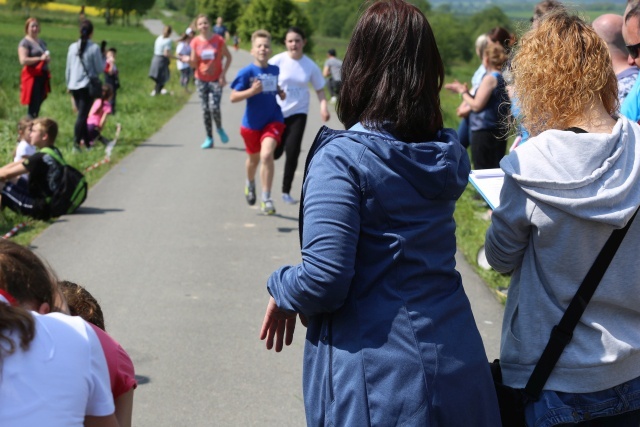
[291,143]
[38,93]
[83,104]
[487,148]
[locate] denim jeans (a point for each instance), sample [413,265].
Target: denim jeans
[616,407]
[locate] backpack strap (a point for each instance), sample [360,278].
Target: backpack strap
[55,154]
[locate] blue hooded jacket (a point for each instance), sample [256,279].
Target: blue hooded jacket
[391,338]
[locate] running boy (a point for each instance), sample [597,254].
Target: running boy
[263,123]
[28,197]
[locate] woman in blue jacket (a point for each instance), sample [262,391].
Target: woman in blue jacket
[391,339]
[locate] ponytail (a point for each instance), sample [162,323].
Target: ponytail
[86,29]
[15,319]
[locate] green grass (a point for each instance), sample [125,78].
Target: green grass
[141,115]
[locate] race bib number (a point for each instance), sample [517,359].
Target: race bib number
[208,55]
[269,82]
[296,93]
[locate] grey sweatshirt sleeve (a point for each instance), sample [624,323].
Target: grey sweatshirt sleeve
[509,233]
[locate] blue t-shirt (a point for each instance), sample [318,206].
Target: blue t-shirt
[630,107]
[262,108]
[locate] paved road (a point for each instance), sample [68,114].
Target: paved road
[179,262]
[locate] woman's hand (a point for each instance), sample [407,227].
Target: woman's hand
[279,324]
[463,110]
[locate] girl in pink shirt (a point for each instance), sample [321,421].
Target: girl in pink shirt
[100,110]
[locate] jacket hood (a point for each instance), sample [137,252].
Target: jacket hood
[436,169]
[589,175]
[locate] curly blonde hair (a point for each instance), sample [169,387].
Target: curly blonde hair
[559,69]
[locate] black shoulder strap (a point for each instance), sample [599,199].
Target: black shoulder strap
[563,331]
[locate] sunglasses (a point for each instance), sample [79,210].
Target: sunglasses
[634,50]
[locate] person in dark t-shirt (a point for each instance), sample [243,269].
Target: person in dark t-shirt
[28,196]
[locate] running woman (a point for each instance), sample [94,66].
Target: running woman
[207,53]
[297,70]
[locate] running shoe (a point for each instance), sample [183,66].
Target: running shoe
[223,136]
[208,143]
[153,93]
[250,195]
[286,197]
[267,207]
[163,91]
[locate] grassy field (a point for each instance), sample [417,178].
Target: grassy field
[140,114]
[588,14]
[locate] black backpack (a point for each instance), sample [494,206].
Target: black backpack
[72,190]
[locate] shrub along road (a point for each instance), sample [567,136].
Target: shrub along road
[179,262]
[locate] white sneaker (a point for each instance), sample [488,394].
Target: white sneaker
[333,100]
[163,91]
[153,93]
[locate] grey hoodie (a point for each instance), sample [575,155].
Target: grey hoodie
[563,195]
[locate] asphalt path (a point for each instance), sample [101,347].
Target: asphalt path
[179,263]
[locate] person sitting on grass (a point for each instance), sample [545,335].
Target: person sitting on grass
[29,196]
[263,123]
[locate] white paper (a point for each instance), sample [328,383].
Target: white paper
[488,182]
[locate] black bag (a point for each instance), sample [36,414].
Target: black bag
[512,401]
[72,190]
[95,87]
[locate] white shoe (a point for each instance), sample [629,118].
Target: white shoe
[163,91]
[153,93]
[333,100]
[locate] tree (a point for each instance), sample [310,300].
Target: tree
[123,8]
[230,10]
[486,19]
[140,7]
[275,16]
[451,37]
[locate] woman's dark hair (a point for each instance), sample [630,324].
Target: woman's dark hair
[502,36]
[86,29]
[26,278]
[296,30]
[392,73]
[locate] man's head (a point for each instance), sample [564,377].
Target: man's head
[261,46]
[219,21]
[609,28]
[44,132]
[631,32]
[331,52]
